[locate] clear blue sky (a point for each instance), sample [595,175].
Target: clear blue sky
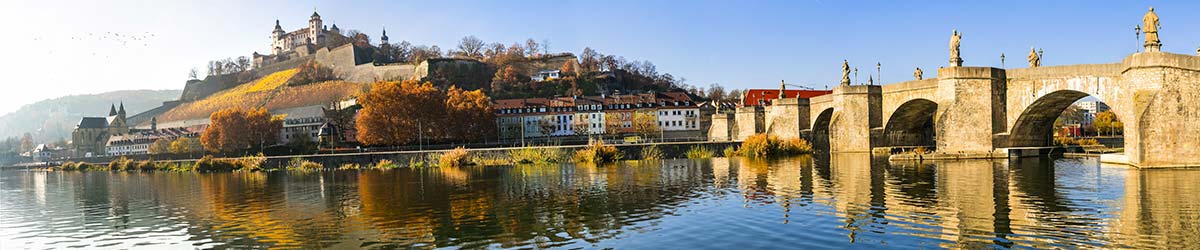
[59,48]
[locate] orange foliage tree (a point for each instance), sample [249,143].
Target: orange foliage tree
[469,114]
[234,129]
[394,111]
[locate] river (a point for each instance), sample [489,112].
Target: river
[843,201]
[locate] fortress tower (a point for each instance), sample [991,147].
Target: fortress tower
[316,32]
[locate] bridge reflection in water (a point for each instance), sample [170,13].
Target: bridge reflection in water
[827,201]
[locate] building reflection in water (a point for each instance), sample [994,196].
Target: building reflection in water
[837,200]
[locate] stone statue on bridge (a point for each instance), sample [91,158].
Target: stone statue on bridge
[918,74]
[1035,60]
[845,72]
[1150,26]
[955,40]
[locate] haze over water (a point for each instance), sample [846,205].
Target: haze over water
[846,201]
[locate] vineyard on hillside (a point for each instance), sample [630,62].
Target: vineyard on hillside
[271,92]
[315,94]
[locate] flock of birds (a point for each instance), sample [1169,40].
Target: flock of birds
[107,38]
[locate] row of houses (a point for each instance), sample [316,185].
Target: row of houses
[668,115]
[673,113]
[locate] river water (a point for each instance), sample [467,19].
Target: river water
[843,201]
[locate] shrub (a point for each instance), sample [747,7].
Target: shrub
[385,164]
[454,158]
[145,166]
[699,152]
[302,164]
[598,153]
[651,153]
[120,164]
[1088,142]
[766,146]
[527,155]
[796,146]
[490,160]
[311,72]
[84,166]
[920,150]
[729,151]
[247,163]
[350,166]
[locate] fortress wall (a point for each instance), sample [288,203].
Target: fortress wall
[281,66]
[143,118]
[370,72]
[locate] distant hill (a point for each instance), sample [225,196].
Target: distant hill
[54,119]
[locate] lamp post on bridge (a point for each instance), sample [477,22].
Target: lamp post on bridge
[1137,33]
[879,72]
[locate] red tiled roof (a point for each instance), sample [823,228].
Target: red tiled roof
[753,96]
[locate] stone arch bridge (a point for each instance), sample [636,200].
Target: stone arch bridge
[992,112]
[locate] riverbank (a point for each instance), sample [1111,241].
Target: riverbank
[397,159]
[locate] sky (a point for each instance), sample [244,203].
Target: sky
[58,48]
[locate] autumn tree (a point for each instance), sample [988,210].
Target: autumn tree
[645,124]
[233,129]
[26,142]
[581,125]
[507,79]
[531,48]
[469,114]
[160,146]
[396,113]
[311,72]
[185,145]
[568,68]
[589,60]
[471,46]
[1107,122]
[613,123]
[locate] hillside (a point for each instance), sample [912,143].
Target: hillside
[270,91]
[56,118]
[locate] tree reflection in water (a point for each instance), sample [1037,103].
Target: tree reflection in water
[823,201]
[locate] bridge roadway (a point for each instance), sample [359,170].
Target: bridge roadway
[984,110]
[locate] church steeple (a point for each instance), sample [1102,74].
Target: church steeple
[121,110]
[384,39]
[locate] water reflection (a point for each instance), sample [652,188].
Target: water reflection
[826,201]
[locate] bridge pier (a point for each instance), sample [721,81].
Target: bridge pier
[857,112]
[749,121]
[787,117]
[972,109]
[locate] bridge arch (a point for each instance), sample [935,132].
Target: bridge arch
[820,130]
[912,124]
[1035,125]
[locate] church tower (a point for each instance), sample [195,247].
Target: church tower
[383,40]
[116,123]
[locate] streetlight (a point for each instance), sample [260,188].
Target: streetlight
[1137,33]
[879,72]
[1002,61]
